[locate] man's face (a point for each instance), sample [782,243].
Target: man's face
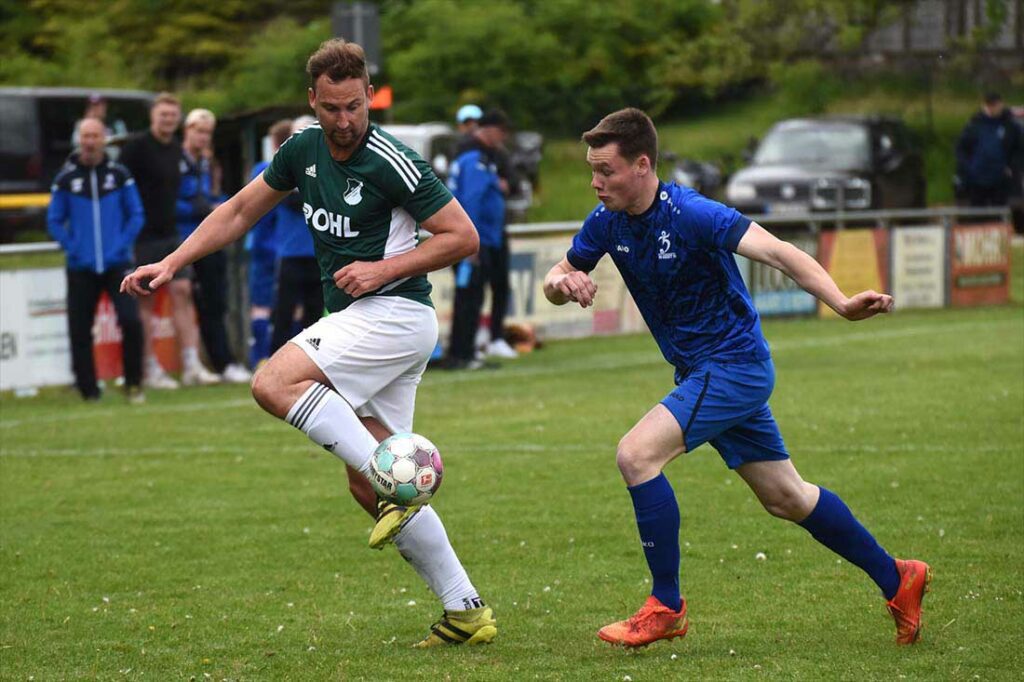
[198,137]
[343,109]
[994,109]
[91,141]
[618,182]
[164,119]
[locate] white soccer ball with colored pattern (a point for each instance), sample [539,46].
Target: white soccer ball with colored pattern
[406,469]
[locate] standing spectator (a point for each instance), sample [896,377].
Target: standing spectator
[476,183]
[154,159]
[96,107]
[988,148]
[196,201]
[298,275]
[467,118]
[95,214]
[261,243]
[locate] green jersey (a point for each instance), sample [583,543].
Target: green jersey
[366,208]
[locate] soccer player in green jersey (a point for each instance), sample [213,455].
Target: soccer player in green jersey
[349,380]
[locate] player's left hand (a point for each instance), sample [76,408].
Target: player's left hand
[361,277]
[866,304]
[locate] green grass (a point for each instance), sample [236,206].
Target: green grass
[197,537]
[721,135]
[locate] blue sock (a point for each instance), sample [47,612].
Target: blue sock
[260,348]
[657,518]
[833,525]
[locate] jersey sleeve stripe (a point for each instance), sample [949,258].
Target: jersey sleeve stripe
[402,158]
[394,164]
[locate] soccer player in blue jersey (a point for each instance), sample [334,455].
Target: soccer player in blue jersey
[674,249]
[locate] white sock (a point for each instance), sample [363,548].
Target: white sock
[189,357]
[424,544]
[153,366]
[330,422]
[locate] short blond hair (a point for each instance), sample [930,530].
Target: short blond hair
[200,116]
[165,98]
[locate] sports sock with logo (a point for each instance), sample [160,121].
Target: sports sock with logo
[259,347]
[424,544]
[833,524]
[331,423]
[657,518]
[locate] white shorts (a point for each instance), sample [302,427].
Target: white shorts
[374,353]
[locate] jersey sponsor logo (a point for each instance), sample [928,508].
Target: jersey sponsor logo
[353,192]
[622,248]
[323,220]
[311,171]
[665,253]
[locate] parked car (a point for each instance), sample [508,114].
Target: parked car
[830,164]
[36,125]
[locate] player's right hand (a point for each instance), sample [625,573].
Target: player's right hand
[577,286]
[146,279]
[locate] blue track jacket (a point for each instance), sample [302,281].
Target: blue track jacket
[95,214]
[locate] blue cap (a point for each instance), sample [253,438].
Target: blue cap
[469,112]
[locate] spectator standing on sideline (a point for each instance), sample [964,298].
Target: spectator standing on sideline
[96,107]
[467,118]
[196,201]
[154,159]
[298,275]
[986,152]
[474,180]
[95,214]
[261,243]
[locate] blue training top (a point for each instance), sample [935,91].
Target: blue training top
[677,261]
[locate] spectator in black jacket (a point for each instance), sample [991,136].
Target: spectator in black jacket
[154,158]
[988,148]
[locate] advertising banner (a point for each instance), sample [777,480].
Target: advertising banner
[34,347]
[919,266]
[979,264]
[773,292]
[857,260]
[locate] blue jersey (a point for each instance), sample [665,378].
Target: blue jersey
[677,262]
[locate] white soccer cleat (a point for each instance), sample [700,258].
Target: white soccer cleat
[499,348]
[199,376]
[236,374]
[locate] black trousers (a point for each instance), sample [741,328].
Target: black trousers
[84,289]
[298,281]
[491,269]
[211,296]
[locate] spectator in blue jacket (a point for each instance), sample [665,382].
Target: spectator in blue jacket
[261,244]
[986,152]
[476,182]
[298,274]
[95,214]
[195,202]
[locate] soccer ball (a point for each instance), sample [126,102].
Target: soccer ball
[406,469]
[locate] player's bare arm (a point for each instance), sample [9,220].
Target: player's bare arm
[760,245]
[454,238]
[564,283]
[225,224]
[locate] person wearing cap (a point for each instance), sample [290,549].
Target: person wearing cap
[986,153]
[476,182]
[210,288]
[467,118]
[96,108]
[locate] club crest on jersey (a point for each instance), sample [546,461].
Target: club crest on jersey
[353,192]
[664,252]
[77,184]
[323,220]
[109,182]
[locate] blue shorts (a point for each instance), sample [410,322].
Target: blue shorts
[261,281]
[726,404]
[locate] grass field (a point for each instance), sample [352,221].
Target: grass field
[195,537]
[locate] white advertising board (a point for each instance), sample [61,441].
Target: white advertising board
[919,266]
[34,346]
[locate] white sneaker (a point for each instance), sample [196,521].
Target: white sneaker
[159,381]
[236,374]
[500,349]
[199,376]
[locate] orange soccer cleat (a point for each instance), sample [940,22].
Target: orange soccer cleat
[652,622]
[905,607]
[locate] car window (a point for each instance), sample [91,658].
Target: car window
[19,140]
[832,145]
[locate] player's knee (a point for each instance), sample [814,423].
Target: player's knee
[788,502]
[264,389]
[631,460]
